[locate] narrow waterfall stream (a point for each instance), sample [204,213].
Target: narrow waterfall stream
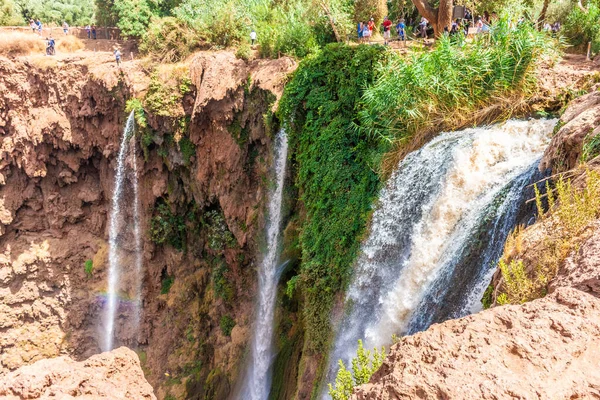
[115,233]
[437,232]
[258,381]
[137,234]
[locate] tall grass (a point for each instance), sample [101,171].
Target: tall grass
[445,87]
[566,223]
[20,43]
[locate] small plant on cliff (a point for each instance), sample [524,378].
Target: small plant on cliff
[591,148]
[88,266]
[364,365]
[564,226]
[226,323]
[137,107]
[166,283]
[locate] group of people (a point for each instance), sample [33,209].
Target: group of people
[365,30]
[91,31]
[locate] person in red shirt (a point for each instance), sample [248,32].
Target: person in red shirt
[371,25]
[387,25]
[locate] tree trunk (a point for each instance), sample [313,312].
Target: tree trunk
[439,18]
[580,5]
[542,18]
[331,20]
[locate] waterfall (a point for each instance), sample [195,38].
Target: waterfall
[437,232]
[258,381]
[137,234]
[115,227]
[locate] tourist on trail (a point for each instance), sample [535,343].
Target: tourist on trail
[117,57]
[423,27]
[32,25]
[253,37]
[401,29]
[50,46]
[39,26]
[387,27]
[366,32]
[359,31]
[94,32]
[455,27]
[555,28]
[371,26]
[88,30]
[65,27]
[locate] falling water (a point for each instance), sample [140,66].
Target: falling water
[137,233]
[258,382]
[115,224]
[437,232]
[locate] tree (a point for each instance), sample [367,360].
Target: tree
[440,17]
[10,13]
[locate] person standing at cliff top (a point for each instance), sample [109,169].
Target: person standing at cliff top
[253,36]
[88,30]
[32,25]
[39,26]
[118,57]
[94,32]
[387,27]
[65,28]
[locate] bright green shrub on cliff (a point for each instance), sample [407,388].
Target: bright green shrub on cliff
[336,176]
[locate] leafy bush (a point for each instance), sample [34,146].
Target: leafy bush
[88,266]
[336,176]
[582,27]
[137,107]
[10,13]
[133,16]
[563,227]
[363,367]
[591,148]
[221,284]
[167,227]
[219,235]
[226,323]
[166,284]
[169,40]
[74,12]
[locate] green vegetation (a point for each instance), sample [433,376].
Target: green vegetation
[137,107]
[88,267]
[581,27]
[219,235]
[336,171]
[444,88]
[74,12]
[226,323]
[564,226]
[363,367]
[222,286]
[166,284]
[167,227]
[591,148]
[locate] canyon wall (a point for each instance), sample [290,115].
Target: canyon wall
[204,154]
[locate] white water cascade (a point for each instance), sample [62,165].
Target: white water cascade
[258,381]
[116,225]
[437,232]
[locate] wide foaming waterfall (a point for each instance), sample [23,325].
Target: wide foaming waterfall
[258,382]
[116,233]
[437,232]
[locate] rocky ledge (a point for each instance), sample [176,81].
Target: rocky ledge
[112,375]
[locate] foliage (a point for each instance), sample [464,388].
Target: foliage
[88,267]
[137,107]
[166,284]
[367,9]
[244,51]
[591,148]
[169,39]
[166,90]
[564,225]
[10,13]
[363,367]
[187,149]
[583,27]
[167,227]
[74,12]
[442,86]
[290,287]
[218,233]
[336,178]
[133,16]
[221,284]
[226,323]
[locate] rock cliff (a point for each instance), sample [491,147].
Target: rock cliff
[204,154]
[113,375]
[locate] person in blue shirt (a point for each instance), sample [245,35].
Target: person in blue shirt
[50,46]
[401,29]
[359,31]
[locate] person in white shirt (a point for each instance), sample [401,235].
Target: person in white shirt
[253,36]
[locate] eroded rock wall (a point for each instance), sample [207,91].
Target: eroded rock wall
[60,126]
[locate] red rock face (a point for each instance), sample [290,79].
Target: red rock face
[546,349]
[113,375]
[60,128]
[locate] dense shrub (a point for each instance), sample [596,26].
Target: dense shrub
[133,16]
[226,323]
[581,27]
[336,175]
[10,13]
[169,39]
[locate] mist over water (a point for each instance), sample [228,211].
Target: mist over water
[437,232]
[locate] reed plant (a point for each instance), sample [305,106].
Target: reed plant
[458,83]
